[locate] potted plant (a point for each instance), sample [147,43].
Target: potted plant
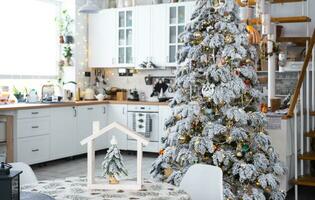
[65,24]
[18,95]
[67,53]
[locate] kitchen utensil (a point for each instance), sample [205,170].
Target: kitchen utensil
[148,80]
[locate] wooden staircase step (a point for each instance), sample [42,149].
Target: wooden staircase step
[307,156]
[295,19]
[306,180]
[310,134]
[299,41]
[253,2]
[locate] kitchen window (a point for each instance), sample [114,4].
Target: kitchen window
[28,39]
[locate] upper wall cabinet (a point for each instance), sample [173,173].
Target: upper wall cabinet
[150,35]
[178,15]
[102,39]
[125,37]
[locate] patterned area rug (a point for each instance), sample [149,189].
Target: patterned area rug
[74,188]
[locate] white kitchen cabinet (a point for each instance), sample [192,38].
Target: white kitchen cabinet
[178,15]
[33,150]
[118,113]
[150,30]
[164,113]
[125,37]
[86,115]
[102,39]
[63,131]
[142,28]
[158,35]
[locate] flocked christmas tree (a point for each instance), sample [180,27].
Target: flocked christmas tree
[113,165]
[215,116]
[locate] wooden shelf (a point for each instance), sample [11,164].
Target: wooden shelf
[306,180]
[299,41]
[307,156]
[294,19]
[253,2]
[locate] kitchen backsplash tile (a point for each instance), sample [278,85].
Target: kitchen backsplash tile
[136,81]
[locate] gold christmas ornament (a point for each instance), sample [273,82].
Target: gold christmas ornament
[168,172]
[239,154]
[228,39]
[112,180]
[197,35]
[257,183]
[178,117]
[184,139]
[229,139]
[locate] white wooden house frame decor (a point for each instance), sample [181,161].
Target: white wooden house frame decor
[123,185]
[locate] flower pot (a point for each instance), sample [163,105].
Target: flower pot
[69,39]
[68,61]
[61,39]
[112,180]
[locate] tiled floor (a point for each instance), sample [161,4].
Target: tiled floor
[77,167]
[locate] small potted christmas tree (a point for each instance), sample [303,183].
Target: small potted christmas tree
[113,165]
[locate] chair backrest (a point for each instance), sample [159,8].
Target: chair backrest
[28,176]
[203,182]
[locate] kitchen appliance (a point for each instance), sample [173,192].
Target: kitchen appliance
[50,94]
[145,121]
[89,94]
[134,95]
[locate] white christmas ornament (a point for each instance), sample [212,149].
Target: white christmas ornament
[208,90]
[217,4]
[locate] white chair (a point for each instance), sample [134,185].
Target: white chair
[28,176]
[203,182]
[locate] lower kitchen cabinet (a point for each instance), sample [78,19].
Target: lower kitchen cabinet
[63,130]
[86,115]
[33,150]
[118,113]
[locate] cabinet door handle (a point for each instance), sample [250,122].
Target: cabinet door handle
[34,113]
[74,112]
[90,108]
[35,150]
[35,127]
[104,110]
[123,110]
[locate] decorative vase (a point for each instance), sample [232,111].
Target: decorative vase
[61,39]
[69,39]
[112,180]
